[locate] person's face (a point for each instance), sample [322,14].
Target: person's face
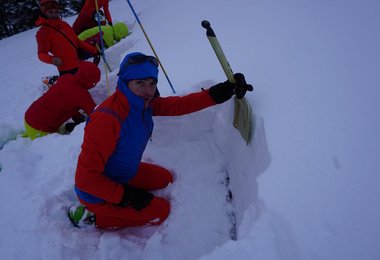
[51,10]
[52,13]
[144,88]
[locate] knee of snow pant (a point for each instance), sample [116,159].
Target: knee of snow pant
[151,177]
[108,215]
[31,132]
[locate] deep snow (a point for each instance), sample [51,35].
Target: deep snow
[307,187]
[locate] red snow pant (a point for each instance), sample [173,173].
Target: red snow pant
[149,177]
[83,22]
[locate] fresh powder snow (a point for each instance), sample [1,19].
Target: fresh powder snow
[306,187]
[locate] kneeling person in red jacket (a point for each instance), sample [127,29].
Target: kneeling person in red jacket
[62,102]
[111,181]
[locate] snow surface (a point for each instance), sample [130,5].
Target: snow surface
[307,187]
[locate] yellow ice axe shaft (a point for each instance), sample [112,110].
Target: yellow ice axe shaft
[243,112]
[218,51]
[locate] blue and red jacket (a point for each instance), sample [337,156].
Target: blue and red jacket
[116,136]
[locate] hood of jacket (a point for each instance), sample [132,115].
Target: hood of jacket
[88,74]
[44,20]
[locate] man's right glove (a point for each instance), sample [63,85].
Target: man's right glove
[241,85]
[224,91]
[135,198]
[56,61]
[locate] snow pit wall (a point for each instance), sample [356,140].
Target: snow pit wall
[244,163]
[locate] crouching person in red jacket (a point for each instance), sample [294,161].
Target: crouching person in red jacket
[87,17]
[62,102]
[111,181]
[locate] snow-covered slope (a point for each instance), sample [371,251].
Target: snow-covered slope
[307,187]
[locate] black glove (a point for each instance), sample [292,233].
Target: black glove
[79,118]
[241,85]
[69,127]
[135,198]
[224,91]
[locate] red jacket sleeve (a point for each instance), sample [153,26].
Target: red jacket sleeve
[176,106]
[86,102]
[107,12]
[89,7]
[87,47]
[43,46]
[89,105]
[100,139]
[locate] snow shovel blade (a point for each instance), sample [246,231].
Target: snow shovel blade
[243,118]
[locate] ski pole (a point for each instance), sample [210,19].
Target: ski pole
[105,69]
[103,55]
[101,37]
[104,60]
[151,46]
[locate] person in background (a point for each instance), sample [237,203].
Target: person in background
[63,101]
[111,182]
[56,41]
[87,17]
[110,36]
